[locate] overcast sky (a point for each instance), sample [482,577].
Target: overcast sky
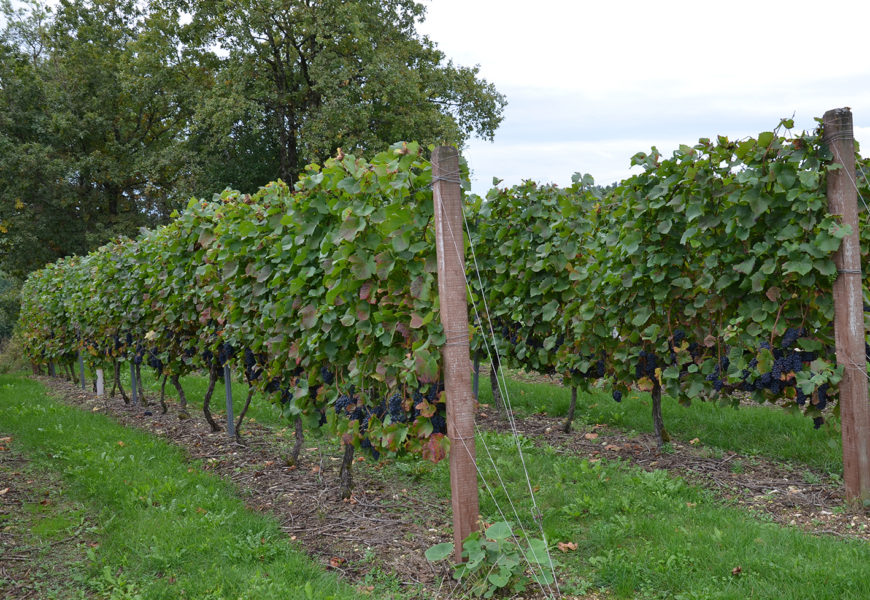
[589,84]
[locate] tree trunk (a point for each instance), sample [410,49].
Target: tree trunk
[182,399]
[297,447]
[571,407]
[659,424]
[118,383]
[345,475]
[242,414]
[206,402]
[163,407]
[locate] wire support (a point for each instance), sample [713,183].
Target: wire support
[851,176]
[451,177]
[502,384]
[437,199]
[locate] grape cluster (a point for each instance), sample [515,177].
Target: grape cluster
[350,406]
[154,361]
[225,353]
[253,368]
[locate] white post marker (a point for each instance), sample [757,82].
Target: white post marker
[101,389]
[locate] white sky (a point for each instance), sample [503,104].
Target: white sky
[589,84]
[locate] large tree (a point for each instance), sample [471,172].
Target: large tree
[301,78]
[112,112]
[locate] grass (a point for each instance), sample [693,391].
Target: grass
[647,535]
[166,530]
[765,431]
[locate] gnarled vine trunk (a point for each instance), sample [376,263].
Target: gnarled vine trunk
[206,402]
[658,422]
[182,399]
[571,408]
[117,383]
[297,446]
[345,475]
[163,407]
[242,414]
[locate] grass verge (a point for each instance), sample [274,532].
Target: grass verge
[165,529]
[771,432]
[648,535]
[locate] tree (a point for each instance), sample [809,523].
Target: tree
[94,110]
[113,113]
[299,79]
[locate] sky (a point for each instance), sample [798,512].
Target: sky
[589,84]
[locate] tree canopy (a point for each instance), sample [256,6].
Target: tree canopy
[114,112]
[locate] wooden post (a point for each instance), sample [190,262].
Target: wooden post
[450,249]
[228,387]
[849,308]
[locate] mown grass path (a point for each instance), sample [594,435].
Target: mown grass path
[163,529]
[640,534]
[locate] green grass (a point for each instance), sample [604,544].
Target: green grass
[165,531]
[640,534]
[647,535]
[765,431]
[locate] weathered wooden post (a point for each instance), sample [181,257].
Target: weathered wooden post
[450,249]
[849,308]
[228,386]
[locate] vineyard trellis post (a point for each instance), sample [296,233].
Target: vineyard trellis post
[135,395]
[228,387]
[81,365]
[51,371]
[101,383]
[450,249]
[849,332]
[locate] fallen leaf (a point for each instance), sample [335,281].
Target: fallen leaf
[3,491]
[691,504]
[612,448]
[566,546]
[315,469]
[736,571]
[5,439]
[694,441]
[336,561]
[122,444]
[591,436]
